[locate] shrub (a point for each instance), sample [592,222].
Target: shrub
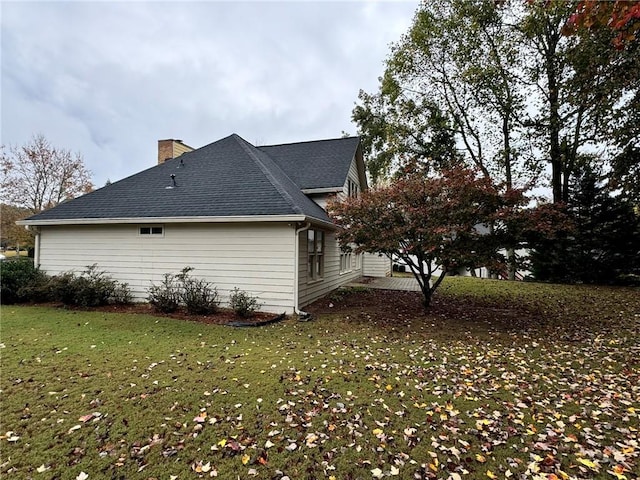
[21,281]
[243,304]
[122,294]
[62,288]
[91,288]
[198,296]
[166,296]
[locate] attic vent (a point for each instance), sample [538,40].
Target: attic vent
[181,164]
[173,183]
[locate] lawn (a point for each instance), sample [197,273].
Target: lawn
[497,380]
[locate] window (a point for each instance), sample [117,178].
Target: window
[151,230]
[345,262]
[315,252]
[352,188]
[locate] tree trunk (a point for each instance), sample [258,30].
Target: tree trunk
[426,300]
[511,264]
[555,152]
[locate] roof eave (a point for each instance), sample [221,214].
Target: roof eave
[190,219]
[311,191]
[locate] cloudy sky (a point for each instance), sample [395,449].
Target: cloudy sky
[109,79]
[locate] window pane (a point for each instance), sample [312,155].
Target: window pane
[319,242]
[156,230]
[145,230]
[318,266]
[310,266]
[310,240]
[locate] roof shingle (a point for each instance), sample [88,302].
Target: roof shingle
[229,177]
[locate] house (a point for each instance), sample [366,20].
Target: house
[242,216]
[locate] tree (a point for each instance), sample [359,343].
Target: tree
[625,174]
[588,92]
[38,176]
[431,222]
[14,235]
[621,16]
[461,58]
[604,246]
[514,93]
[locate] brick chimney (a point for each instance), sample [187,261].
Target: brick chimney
[168,149]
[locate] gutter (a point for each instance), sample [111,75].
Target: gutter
[296,272]
[185,219]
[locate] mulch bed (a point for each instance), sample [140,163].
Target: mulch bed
[221,317]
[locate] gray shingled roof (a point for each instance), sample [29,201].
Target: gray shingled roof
[229,177]
[317,164]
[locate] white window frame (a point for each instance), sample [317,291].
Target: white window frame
[315,254]
[150,233]
[346,264]
[352,188]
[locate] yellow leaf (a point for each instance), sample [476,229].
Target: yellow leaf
[389,388]
[377,431]
[589,463]
[563,475]
[618,475]
[490,474]
[245,459]
[222,442]
[481,458]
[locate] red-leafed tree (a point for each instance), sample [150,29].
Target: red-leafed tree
[443,222]
[621,16]
[431,222]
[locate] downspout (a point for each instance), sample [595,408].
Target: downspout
[296,272]
[36,246]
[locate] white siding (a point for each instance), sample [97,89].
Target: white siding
[320,198]
[311,290]
[376,265]
[353,175]
[257,258]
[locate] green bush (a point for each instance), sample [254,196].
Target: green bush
[21,281]
[166,296]
[197,295]
[91,288]
[243,304]
[62,288]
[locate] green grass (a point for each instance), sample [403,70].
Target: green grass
[116,396]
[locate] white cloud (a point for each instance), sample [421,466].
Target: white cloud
[110,79]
